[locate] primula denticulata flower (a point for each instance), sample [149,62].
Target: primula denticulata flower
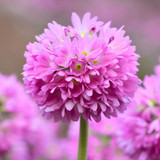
[139,132]
[24,135]
[87,69]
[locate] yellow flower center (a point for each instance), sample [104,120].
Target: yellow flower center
[85,53]
[90,35]
[61,39]
[95,62]
[82,34]
[78,67]
[75,82]
[152,103]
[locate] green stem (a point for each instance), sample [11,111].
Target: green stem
[83,140]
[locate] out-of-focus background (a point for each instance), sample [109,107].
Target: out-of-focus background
[21,20]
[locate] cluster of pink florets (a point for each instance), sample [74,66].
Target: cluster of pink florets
[13,99]
[87,69]
[22,136]
[139,134]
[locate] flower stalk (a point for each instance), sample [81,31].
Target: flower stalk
[83,140]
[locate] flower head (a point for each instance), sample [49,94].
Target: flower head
[21,127]
[87,69]
[139,134]
[13,99]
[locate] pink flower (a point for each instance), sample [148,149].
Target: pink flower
[87,25]
[87,69]
[24,135]
[139,134]
[13,98]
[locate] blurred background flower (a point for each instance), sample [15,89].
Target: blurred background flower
[20,20]
[24,134]
[139,130]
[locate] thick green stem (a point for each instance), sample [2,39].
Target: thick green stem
[83,140]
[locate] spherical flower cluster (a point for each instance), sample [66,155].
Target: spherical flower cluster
[139,134]
[87,70]
[24,135]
